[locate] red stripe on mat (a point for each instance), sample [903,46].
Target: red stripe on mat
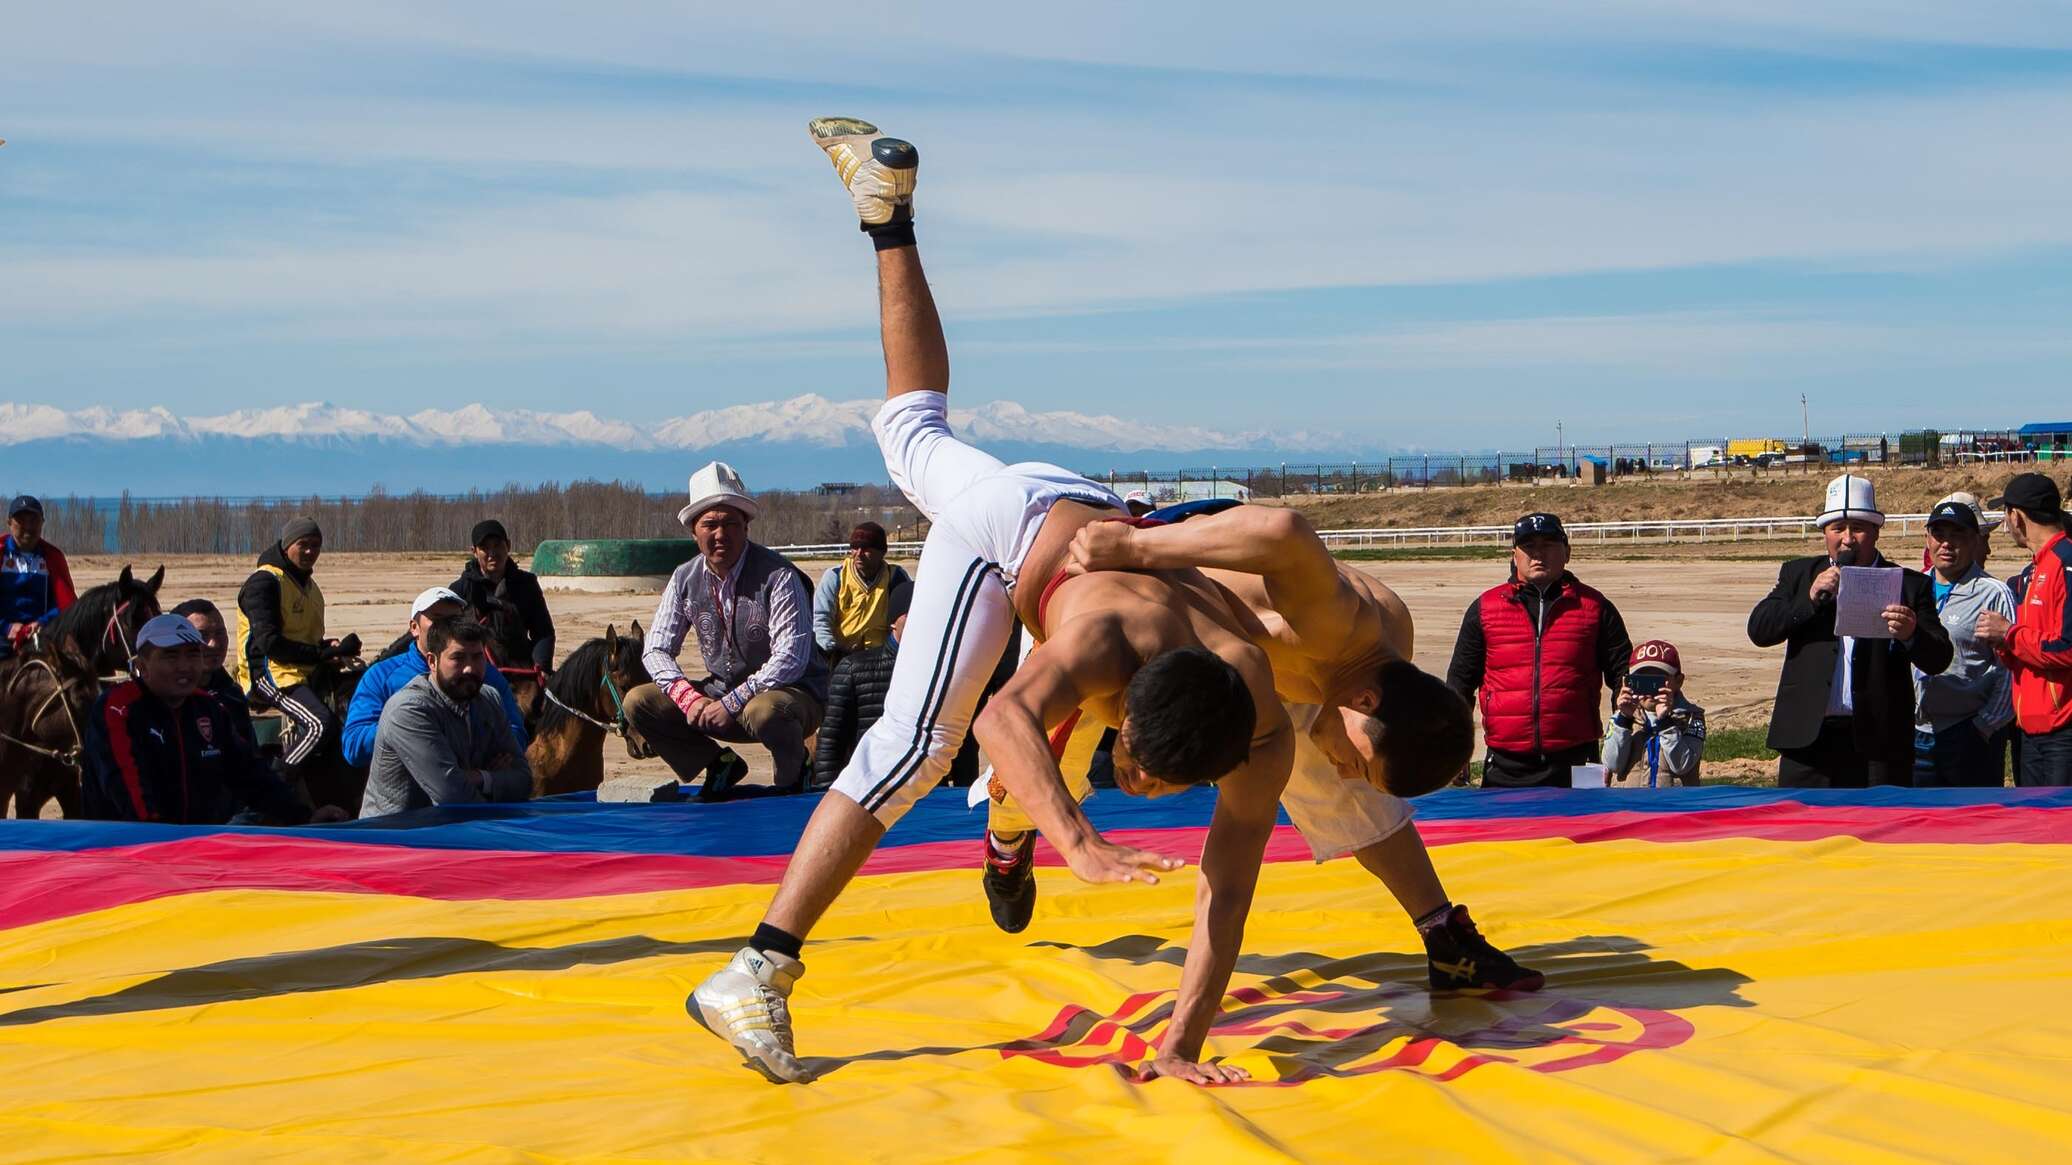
[40,886]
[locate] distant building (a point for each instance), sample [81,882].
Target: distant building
[836,488]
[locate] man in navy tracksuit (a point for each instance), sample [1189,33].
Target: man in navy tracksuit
[35,581]
[160,749]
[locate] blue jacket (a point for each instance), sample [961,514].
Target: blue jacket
[385,679]
[34,584]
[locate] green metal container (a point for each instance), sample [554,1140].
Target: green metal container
[612,557]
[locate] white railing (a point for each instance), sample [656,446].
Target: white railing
[1663,530]
[1669,530]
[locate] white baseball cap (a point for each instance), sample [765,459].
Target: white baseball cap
[431,597]
[1138,495]
[716,485]
[1970,501]
[167,631]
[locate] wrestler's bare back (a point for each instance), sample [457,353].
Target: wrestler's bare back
[1143,603]
[1304,671]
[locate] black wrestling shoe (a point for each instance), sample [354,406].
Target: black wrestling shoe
[1011,884]
[725,771]
[1461,958]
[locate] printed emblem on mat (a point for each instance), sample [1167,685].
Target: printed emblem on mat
[1311,1016]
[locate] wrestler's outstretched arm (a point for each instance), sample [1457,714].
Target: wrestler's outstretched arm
[1089,657]
[1230,860]
[1278,545]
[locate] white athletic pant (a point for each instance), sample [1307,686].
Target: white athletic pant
[984,517]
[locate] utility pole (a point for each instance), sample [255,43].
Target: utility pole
[1805,425]
[1560,444]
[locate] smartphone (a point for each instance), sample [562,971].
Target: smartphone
[1646,683]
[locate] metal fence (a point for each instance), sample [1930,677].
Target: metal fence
[1696,458]
[1671,530]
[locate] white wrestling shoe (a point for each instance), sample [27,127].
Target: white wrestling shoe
[744,1004]
[878,171]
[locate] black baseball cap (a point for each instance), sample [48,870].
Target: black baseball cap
[2031,493]
[24,504]
[486,529]
[1537,526]
[1956,512]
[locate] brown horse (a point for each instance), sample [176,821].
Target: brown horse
[585,701]
[45,700]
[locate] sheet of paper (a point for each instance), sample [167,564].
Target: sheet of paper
[1586,776]
[1866,592]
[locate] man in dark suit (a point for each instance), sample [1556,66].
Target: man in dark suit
[1844,716]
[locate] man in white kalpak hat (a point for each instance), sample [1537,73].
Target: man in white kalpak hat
[753,613]
[1844,716]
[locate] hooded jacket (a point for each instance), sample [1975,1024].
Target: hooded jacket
[520,617]
[280,623]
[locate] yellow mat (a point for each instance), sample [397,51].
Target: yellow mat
[1726,1001]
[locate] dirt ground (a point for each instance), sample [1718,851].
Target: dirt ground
[1746,493]
[1699,604]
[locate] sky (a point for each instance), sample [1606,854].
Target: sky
[1421,227]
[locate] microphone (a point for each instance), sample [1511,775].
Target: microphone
[1846,556]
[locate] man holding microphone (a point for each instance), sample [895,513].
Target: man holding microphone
[1844,716]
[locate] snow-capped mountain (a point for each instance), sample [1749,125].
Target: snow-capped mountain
[321,447]
[809,420]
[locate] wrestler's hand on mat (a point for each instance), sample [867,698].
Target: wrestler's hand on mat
[1101,546]
[1192,1071]
[1101,860]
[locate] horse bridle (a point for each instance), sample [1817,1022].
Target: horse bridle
[68,757]
[120,635]
[618,723]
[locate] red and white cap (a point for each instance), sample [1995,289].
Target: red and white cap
[1658,654]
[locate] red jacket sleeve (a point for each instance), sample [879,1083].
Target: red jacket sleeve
[60,577]
[2042,634]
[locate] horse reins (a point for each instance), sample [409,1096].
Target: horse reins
[68,757]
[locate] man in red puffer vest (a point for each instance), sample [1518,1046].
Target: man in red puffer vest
[1536,648]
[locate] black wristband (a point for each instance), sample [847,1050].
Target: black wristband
[888,235]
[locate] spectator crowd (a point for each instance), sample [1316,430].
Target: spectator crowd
[1950,676]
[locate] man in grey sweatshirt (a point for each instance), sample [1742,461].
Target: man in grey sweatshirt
[443,740]
[1961,716]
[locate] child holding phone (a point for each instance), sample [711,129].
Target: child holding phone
[1652,721]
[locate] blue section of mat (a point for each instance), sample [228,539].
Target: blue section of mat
[771,825]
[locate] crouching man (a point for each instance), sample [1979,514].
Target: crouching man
[159,749]
[443,739]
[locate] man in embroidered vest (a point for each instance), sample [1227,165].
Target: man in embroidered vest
[766,681]
[854,605]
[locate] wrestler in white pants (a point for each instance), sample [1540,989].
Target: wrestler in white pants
[984,517]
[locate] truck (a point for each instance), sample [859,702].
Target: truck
[1756,450]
